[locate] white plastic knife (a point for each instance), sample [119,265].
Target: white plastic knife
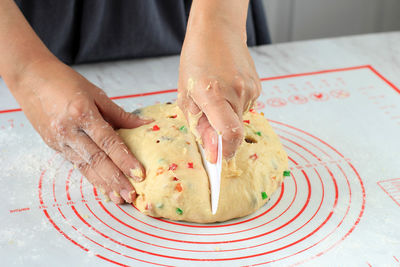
[214,174]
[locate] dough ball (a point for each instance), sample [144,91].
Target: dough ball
[176,185]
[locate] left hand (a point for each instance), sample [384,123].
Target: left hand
[217,79]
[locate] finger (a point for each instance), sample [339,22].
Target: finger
[206,131]
[209,138]
[231,136]
[90,174]
[246,91]
[98,182]
[229,126]
[191,111]
[117,116]
[102,165]
[223,118]
[255,91]
[111,143]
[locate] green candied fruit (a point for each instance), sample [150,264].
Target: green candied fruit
[258,133]
[183,129]
[286,173]
[179,211]
[160,205]
[264,195]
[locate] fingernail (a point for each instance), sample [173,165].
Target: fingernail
[210,158]
[143,118]
[137,174]
[127,195]
[115,197]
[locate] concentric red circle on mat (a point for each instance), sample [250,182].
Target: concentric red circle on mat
[283,229]
[276,102]
[298,99]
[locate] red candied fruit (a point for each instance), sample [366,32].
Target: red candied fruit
[254,157]
[173,167]
[178,187]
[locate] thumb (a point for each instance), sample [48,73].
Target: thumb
[203,128]
[209,137]
[117,116]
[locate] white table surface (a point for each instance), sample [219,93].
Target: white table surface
[369,233]
[381,50]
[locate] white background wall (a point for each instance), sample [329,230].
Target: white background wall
[291,20]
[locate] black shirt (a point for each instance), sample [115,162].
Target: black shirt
[79,31]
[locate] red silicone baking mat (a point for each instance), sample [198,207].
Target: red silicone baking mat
[339,207]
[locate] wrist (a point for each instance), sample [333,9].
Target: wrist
[226,17]
[30,79]
[23,72]
[216,26]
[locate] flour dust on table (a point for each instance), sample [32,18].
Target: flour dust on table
[176,185]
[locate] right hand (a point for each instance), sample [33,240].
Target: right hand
[218,82]
[76,118]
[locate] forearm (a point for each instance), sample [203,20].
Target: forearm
[19,45]
[211,14]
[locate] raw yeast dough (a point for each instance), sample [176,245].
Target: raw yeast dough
[176,185]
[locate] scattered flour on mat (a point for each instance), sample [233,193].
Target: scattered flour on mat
[23,158]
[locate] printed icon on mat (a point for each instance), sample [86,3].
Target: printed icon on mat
[259,105]
[319,96]
[339,93]
[298,99]
[392,188]
[276,102]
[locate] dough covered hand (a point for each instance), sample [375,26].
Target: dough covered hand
[217,84]
[77,119]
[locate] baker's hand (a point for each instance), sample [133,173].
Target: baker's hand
[217,83]
[76,118]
